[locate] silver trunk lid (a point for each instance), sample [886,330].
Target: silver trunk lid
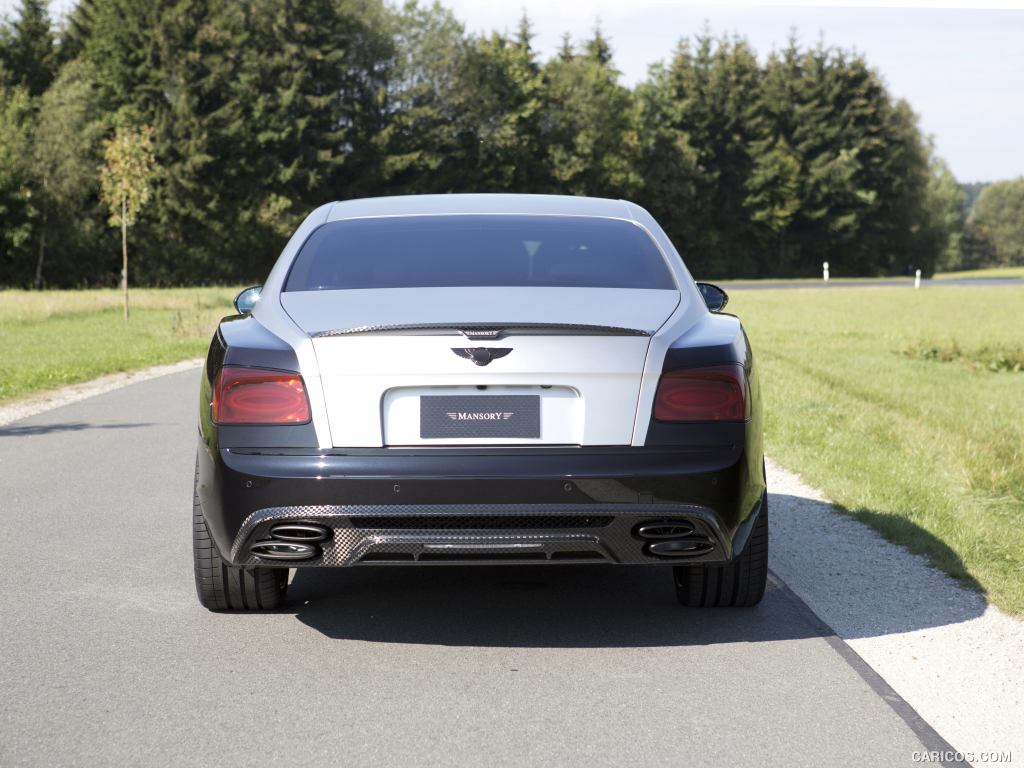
[581,351]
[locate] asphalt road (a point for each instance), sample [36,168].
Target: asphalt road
[107,659]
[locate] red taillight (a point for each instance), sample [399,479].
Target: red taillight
[253,396]
[717,393]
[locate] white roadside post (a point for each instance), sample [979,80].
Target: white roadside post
[824,271]
[917,279]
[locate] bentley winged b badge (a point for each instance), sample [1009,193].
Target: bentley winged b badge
[481,355]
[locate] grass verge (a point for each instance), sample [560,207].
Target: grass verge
[895,404]
[53,338]
[971,274]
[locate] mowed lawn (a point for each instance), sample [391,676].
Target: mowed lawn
[907,408]
[990,272]
[52,338]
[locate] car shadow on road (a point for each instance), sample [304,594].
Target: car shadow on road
[550,606]
[861,584]
[858,584]
[75,426]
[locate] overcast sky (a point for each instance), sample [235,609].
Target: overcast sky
[962,70]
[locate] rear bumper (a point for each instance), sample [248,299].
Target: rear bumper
[438,506]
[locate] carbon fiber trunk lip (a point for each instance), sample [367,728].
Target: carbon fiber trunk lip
[349,544]
[501,329]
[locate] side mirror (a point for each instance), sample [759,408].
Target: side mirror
[713,296]
[246,300]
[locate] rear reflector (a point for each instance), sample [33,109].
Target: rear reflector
[717,393]
[255,396]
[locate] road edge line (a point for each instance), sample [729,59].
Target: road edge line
[926,734]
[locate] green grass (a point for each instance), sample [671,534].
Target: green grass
[894,403]
[53,338]
[988,272]
[810,281]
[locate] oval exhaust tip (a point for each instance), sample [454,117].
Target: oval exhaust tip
[299,532]
[680,548]
[664,529]
[282,550]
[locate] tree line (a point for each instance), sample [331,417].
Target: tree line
[260,110]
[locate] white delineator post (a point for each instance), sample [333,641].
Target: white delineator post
[917,279]
[824,271]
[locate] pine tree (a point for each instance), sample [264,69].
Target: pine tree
[498,105]
[588,124]
[700,110]
[418,136]
[64,161]
[27,51]
[18,211]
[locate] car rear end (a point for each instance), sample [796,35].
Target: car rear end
[481,387]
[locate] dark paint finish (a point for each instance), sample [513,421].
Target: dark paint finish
[714,297]
[234,485]
[715,340]
[241,340]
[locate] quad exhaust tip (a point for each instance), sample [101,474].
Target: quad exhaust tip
[663,529]
[302,533]
[689,547]
[283,550]
[672,539]
[291,541]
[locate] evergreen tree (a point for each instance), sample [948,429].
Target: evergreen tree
[588,125]
[498,106]
[64,162]
[700,110]
[27,50]
[418,138]
[17,206]
[263,109]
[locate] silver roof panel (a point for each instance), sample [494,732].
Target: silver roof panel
[419,205]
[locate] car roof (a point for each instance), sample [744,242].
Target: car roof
[420,205]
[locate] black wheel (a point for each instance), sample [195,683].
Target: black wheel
[223,587]
[740,584]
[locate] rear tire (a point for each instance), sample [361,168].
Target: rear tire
[739,584]
[224,587]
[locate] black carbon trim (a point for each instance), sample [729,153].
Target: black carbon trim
[350,542]
[499,328]
[482,522]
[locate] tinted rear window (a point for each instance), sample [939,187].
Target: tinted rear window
[463,251]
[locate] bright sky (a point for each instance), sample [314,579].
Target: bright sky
[960,65]
[961,70]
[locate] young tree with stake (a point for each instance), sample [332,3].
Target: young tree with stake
[129,167]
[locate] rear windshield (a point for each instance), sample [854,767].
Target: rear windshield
[463,251]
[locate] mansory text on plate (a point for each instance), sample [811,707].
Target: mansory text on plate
[492,379]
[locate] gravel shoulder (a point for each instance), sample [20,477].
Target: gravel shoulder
[953,658]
